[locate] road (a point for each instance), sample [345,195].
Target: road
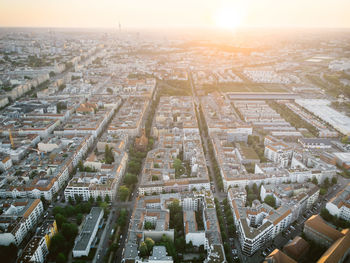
[219,195]
[103,244]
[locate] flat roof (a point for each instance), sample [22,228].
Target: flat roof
[91,220]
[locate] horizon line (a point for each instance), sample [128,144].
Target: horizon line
[176,27]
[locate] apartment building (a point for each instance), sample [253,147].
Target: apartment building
[315,143]
[160,175]
[317,230]
[87,120]
[175,114]
[130,116]
[277,256]
[260,223]
[56,157]
[104,182]
[88,232]
[339,205]
[339,251]
[279,153]
[19,217]
[153,209]
[220,116]
[37,248]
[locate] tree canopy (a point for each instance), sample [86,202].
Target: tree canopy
[124,192]
[270,200]
[130,179]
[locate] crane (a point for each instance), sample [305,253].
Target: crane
[10,137]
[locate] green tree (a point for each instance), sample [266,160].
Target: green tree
[80,166]
[107,199]
[70,200]
[334,180]
[150,243]
[114,247]
[180,244]
[326,215]
[148,225]
[255,189]
[314,180]
[130,179]
[85,207]
[124,192]
[61,258]
[57,244]
[134,167]
[323,191]
[143,250]
[79,218]
[69,231]
[109,157]
[58,210]
[270,200]
[177,164]
[91,200]
[121,221]
[345,139]
[104,206]
[326,182]
[176,215]
[99,199]
[109,90]
[60,219]
[70,210]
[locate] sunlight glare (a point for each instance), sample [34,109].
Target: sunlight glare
[229,16]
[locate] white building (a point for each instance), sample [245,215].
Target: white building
[278,152]
[191,231]
[6,163]
[340,204]
[260,223]
[18,218]
[37,248]
[88,232]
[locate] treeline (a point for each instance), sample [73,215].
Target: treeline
[216,168]
[175,88]
[291,117]
[253,193]
[136,157]
[258,146]
[68,218]
[334,220]
[230,226]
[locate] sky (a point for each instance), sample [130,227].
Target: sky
[228,14]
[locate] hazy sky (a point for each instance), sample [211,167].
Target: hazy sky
[177,13]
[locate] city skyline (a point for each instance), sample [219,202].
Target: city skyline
[161,14]
[202,131]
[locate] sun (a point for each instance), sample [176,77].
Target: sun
[228,17]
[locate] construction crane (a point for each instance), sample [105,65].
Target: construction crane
[10,137]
